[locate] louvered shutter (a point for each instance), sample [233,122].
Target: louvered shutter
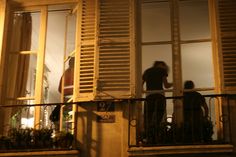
[115,48]
[107,50]
[227,28]
[87,45]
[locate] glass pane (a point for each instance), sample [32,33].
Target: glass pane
[32,76]
[70,36]
[20,83]
[194,20]
[157,52]
[54,55]
[53,67]
[156,22]
[197,64]
[35,31]
[21,73]
[58,40]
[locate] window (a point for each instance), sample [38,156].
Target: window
[194,33]
[178,32]
[41,42]
[103,46]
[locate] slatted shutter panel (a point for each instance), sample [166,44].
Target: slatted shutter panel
[106,51]
[87,50]
[115,49]
[227,27]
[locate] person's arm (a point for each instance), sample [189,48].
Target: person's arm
[143,80]
[59,87]
[166,83]
[205,109]
[203,104]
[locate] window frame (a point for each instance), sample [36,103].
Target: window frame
[176,43]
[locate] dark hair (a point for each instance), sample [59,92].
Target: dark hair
[188,84]
[157,63]
[161,64]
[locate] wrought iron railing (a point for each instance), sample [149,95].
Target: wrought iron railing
[172,130]
[213,129]
[21,133]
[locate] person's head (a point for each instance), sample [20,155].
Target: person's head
[188,84]
[72,62]
[161,64]
[156,63]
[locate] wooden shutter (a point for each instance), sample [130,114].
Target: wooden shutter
[227,28]
[115,48]
[87,49]
[107,49]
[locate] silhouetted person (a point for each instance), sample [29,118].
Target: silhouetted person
[195,112]
[68,78]
[155,107]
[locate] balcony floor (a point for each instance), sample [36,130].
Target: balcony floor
[184,149]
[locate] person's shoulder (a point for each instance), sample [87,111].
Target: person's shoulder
[197,95]
[148,70]
[192,93]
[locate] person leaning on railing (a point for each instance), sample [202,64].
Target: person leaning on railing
[195,113]
[155,107]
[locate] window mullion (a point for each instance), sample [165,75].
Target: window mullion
[40,65]
[176,55]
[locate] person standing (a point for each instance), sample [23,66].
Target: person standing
[65,86]
[155,78]
[195,112]
[68,80]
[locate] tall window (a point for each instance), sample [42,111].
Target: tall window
[41,42]
[178,32]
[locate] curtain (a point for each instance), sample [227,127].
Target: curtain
[17,65]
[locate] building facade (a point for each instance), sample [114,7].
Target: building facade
[113,42]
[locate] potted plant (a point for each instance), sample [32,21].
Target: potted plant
[63,140]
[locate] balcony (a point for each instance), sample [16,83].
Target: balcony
[176,136]
[21,138]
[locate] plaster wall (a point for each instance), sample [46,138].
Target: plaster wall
[102,139]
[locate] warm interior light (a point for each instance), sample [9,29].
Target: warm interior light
[27,122]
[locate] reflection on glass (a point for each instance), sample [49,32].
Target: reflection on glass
[194,20]
[156,22]
[197,64]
